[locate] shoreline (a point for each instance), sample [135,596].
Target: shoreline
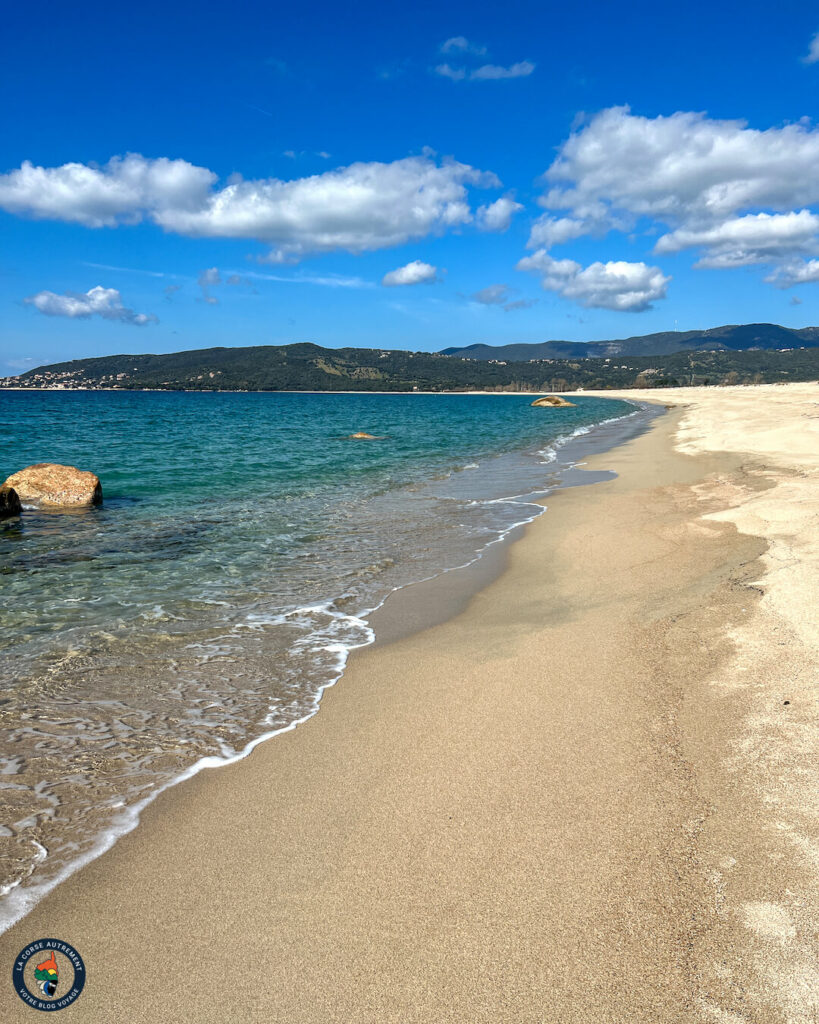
[642,394]
[585,699]
[286,391]
[453,587]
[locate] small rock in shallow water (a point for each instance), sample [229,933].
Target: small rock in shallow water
[9,503]
[49,485]
[555,401]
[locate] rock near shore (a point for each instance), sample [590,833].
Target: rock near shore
[555,401]
[49,485]
[9,503]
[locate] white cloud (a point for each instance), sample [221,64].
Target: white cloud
[685,168]
[740,241]
[358,208]
[460,44]
[796,272]
[741,195]
[492,295]
[497,216]
[415,272]
[627,287]
[127,270]
[103,302]
[491,72]
[122,192]
[812,56]
[487,72]
[325,281]
[548,231]
[447,71]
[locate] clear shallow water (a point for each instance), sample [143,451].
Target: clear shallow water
[241,543]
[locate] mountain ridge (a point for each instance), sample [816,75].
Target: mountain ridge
[730,337]
[305,366]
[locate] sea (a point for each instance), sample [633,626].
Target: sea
[242,543]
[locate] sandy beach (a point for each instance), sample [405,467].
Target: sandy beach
[591,795]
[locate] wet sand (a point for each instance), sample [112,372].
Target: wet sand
[581,799]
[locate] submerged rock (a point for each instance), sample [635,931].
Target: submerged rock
[553,400]
[9,503]
[50,485]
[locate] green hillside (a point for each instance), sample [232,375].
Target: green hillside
[732,337]
[306,367]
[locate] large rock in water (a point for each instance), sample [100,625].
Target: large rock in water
[9,503]
[50,485]
[553,400]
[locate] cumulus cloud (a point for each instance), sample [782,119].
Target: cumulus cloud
[104,302]
[361,207]
[740,195]
[796,272]
[617,285]
[460,44]
[754,238]
[548,231]
[415,272]
[497,216]
[124,191]
[682,168]
[812,56]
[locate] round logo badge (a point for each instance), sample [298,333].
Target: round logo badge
[49,974]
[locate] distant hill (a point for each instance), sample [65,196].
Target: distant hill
[734,338]
[307,367]
[299,367]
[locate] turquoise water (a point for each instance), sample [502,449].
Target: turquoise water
[241,543]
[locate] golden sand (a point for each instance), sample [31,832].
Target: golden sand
[582,799]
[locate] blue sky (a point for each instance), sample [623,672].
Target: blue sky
[407,177]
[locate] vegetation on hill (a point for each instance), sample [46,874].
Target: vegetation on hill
[306,367]
[734,338]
